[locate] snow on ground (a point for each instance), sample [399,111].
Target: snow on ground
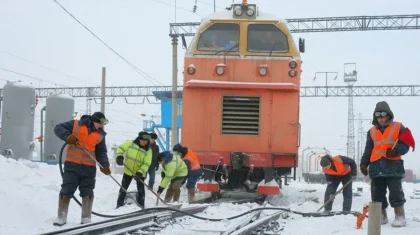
[29,197]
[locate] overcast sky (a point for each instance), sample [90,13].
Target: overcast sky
[41,32]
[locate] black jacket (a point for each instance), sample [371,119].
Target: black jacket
[155,151]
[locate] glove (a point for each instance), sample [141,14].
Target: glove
[160,190]
[162,174]
[391,153]
[139,176]
[157,167]
[106,170]
[120,160]
[71,139]
[364,170]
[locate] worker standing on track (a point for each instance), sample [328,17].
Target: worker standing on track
[82,136]
[174,171]
[194,168]
[138,157]
[338,169]
[386,142]
[155,165]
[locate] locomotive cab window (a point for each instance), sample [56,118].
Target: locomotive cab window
[220,37]
[266,38]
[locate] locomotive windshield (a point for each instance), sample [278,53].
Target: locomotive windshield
[219,37]
[266,38]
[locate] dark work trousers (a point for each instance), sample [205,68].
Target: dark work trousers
[77,175]
[126,181]
[192,178]
[347,194]
[151,174]
[378,188]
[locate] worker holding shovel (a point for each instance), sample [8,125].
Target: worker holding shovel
[338,169]
[138,157]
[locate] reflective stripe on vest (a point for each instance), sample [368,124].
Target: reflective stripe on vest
[79,155]
[385,141]
[190,156]
[342,169]
[135,147]
[178,167]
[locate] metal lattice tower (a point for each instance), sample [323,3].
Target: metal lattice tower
[350,77]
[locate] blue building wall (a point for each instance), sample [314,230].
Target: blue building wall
[166,113]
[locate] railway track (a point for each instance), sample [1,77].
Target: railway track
[148,222]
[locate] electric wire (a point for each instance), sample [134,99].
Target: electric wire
[135,68]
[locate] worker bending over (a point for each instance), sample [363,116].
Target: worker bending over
[174,172]
[194,168]
[338,169]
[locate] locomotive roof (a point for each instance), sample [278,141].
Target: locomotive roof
[228,15]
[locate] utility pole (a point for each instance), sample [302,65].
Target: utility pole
[214,5]
[350,77]
[326,80]
[174,129]
[103,90]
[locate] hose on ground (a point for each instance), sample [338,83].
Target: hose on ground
[304,214]
[60,163]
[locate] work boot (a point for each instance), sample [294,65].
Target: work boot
[399,217]
[169,194]
[63,208]
[87,203]
[120,200]
[384,217]
[191,194]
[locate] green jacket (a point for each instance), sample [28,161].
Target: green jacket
[136,158]
[173,169]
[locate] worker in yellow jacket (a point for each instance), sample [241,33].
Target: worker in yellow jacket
[138,157]
[174,171]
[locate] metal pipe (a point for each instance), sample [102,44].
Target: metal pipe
[41,153]
[103,90]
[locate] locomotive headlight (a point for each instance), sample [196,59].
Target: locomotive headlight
[292,73]
[250,11]
[191,69]
[263,71]
[238,11]
[220,70]
[293,64]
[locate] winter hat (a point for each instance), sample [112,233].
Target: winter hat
[325,160]
[153,136]
[143,135]
[180,148]
[99,117]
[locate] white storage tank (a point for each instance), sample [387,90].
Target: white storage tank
[17,120]
[59,108]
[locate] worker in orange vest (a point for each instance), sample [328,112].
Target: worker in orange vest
[194,168]
[383,151]
[338,169]
[85,138]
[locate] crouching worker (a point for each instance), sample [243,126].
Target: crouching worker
[338,169]
[194,168]
[138,157]
[174,172]
[85,139]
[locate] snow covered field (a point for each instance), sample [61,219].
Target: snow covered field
[29,192]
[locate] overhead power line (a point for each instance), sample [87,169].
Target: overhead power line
[29,76]
[47,68]
[135,68]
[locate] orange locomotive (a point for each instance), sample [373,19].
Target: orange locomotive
[241,97]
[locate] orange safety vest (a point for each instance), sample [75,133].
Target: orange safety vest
[190,156]
[77,154]
[342,169]
[385,141]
